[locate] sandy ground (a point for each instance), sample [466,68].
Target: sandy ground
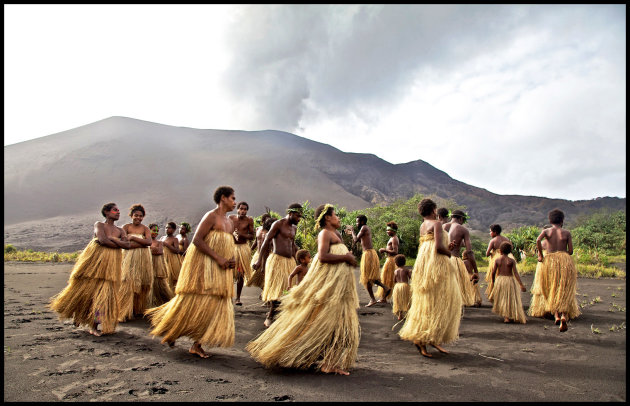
[49,360]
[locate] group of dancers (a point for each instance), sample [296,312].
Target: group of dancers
[186,288]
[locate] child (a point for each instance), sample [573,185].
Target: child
[474,276]
[494,252]
[162,292]
[558,274]
[402,293]
[505,293]
[172,256]
[304,258]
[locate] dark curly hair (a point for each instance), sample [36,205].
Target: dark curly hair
[442,212]
[426,207]
[107,207]
[226,191]
[393,225]
[137,207]
[400,260]
[153,225]
[556,216]
[242,203]
[505,247]
[362,218]
[186,226]
[496,229]
[301,254]
[172,225]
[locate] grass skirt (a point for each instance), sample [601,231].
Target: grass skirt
[243,256]
[537,305]
[495,254]
[558,281]
[173,265]
[92,290]
[506,296]
[387,277]
[318,322]
[277,271]
[258,277]
[463,278]
[162,291]
[436,302]
[369,267]
[401,297]
[202,307]
[137,282]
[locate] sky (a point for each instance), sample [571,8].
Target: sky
[515,99]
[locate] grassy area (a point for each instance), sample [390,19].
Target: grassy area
[13,254]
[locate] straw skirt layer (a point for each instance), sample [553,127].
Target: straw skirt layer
[202,307]
[558,281]
[387,277]
[92,291]
[401,297]
[463,278]
[174,264]
[243,257]
[258,276]
[506,296]
[277,271]
[137,282]
[370,271]
[162,291]
[436,302]
[537,304]
[318,323]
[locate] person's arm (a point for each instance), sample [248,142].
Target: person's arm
[539,245]
[517,276]
[207,222]
[251,233]
[323,248]
[489,250]
[437,235]
[296,270]
[570,244]
[255,244]
[495,267]
[266,245]
[172,246]
[471,256]
[99,231]
[357,237]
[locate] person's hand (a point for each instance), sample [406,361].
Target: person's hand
[235,234]
[451,245]
[540,258]
[523,289]
[475,278]
[381,250]
[350,259]
[256,265]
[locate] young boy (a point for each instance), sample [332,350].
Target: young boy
[494,252]
[505,294]
[474,275]
[558,273]
[401,296]
[304,258]
[162,291]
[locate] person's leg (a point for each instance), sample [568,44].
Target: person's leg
[386,292]
[196,349]
[272,310]
[563,323]
[239,288]
[371,293]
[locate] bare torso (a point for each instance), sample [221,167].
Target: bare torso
[244,227]
[284,238]
[557,239]
[365,235]
[401,275]
[457,234]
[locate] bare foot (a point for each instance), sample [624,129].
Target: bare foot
[95,332]
[563,325]
[267,322]
[423,351]
[238,302]
[506,320]
[399,317]
[372,303]
[328,370]
[440,349]
[199,351]
[381,301]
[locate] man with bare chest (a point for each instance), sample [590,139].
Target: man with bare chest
[459,236]
[279,264]
[369,260]
[243,233]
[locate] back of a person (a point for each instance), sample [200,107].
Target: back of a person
[558,239]
[504,264]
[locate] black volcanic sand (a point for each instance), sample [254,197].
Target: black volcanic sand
[49,360]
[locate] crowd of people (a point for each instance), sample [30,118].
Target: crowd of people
[186,288]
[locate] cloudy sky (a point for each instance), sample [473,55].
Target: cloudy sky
[516,99]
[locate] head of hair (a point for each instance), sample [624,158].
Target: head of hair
[264,217]
[495,228]
[136,207]
[362,218]
[186,226]
[107,207]
[505,247]
[172,225]
[426,207]
[242,204]
[301,254]
[153,225]
[442,212]
[221,191]
[556,216]
[318,212]
[268,222]
[400,260]
[393,225]
[295,206]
